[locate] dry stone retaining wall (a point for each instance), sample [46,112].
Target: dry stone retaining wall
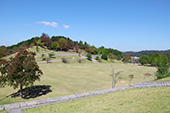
[49,101]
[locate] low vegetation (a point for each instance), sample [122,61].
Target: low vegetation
[149,100]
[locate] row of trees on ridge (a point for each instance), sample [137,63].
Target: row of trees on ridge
[60,43]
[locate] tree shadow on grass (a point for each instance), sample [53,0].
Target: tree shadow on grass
[33,92]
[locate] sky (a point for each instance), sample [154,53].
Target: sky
[126,25]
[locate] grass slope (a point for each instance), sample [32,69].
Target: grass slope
[45,50]
[73,78]
[152,100]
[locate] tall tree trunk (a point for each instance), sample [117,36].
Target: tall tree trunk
[21,91]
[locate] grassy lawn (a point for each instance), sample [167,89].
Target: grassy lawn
[151,100]
[72,78]
[164,79]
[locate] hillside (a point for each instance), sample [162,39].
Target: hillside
[147,52]
[57,43]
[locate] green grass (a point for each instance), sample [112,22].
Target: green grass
[73,78]
[151,100]
[164,79]
[39,58]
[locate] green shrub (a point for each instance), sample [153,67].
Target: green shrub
[118,58]
[79,60]
[51,55]
[42,55]
[64,60]
[97,58]
[163,70]
[104,56]
[88,56]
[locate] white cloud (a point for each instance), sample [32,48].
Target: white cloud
[66,26]
[52,24]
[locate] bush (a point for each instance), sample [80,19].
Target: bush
[163,70]
[64,60]
[43,59]
[104,56]
[118,58]
[51,55]
[79,60]
[42,55]
[144,59]
[88,56]
[97,58]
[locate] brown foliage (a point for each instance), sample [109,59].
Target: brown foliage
[19,71]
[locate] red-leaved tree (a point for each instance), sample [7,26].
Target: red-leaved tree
[20,71]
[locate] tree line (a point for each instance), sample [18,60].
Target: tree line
[162,63]
[59,43]
[146,52]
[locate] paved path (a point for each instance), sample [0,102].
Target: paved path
[49,101]
[94,61]
[58,54]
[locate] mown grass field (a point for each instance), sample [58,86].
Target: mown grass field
[72,78]
[151,100]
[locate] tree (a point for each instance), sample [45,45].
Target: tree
[88,56]
[162,70]
[169,58]
[144,59]
[115,77]
[111,56]
[81,44]
[55,45]
[46,40]
[3,51]
[118,58]
[19,71]
[64,46]
[38,42]
[86,45]
[62,40]
[165,60]
[77,48]
[104,56]
[127,58]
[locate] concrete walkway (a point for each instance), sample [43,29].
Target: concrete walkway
[94,61]
[59,54]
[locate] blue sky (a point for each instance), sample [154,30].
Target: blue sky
[126,25]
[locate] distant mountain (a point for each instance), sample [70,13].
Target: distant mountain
[147,52]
